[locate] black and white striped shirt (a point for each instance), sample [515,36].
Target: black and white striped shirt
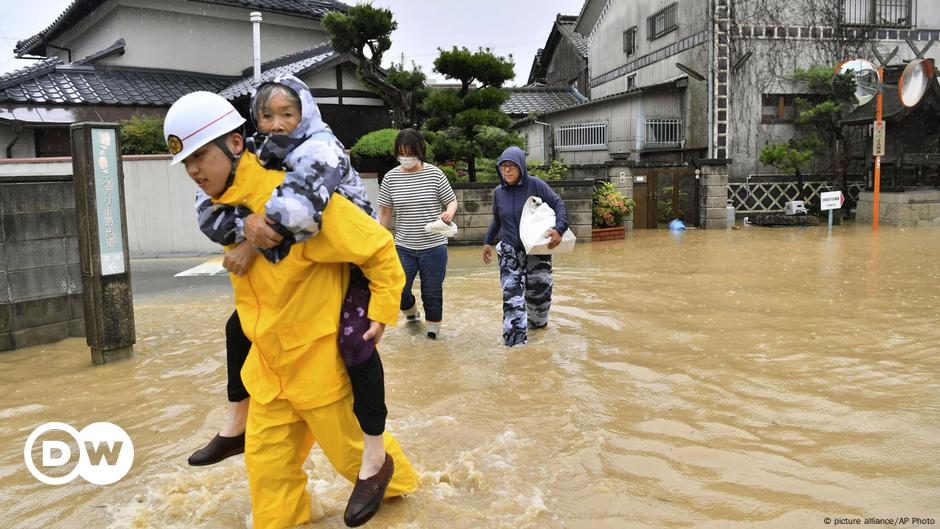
[417,199]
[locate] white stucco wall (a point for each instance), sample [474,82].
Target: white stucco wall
[928,14]
[186,36]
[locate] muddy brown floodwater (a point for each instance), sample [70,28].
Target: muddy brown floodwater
[761,378]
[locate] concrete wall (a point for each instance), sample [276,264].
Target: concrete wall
[40,275]
[928,16]
[168,34]
[475,209]
[919,207]
[159,198]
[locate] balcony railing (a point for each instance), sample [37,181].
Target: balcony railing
[877,13]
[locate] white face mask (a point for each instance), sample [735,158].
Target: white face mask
[407,162]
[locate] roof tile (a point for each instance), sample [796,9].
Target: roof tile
[107,85]
[540,99]
[295,63]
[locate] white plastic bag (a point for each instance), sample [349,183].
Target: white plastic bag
[439,227]
[538,218]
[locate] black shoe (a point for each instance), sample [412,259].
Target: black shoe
[534,326]
[219,448]
[432,335]
[367,495]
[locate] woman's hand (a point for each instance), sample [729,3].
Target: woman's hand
[376,330]
[487,253]
[259,233]
[447,216]
[238,260]
[555,238]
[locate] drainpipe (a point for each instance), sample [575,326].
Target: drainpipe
[17,131]
[255,18]
[66,50]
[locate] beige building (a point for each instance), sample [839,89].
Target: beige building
[107,60]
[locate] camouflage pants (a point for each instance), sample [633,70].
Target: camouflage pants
[527,291]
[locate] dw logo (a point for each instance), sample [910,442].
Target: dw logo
[106,453]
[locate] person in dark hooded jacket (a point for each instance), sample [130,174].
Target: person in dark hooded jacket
[526,279]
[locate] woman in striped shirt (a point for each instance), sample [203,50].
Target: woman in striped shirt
[418,193]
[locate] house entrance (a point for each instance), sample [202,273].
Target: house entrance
[663,194]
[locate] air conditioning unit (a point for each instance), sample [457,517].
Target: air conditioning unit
[795,207]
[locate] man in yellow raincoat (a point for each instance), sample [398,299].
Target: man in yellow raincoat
[300,390]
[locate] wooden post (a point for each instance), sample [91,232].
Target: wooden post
[102,241]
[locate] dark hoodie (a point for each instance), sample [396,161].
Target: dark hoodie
[509,199]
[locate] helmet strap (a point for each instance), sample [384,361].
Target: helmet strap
[220,143]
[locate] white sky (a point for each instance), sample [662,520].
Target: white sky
[517,27]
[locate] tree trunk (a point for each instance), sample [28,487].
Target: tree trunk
[472,169]
[799,184]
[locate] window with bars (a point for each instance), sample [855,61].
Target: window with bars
[581,136]
[664,133]
[877,13]
[629,41]
[662,22]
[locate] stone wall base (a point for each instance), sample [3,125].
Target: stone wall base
[920,207]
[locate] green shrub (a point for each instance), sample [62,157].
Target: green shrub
[609,206]
[376,144]
[143,135]
[379,143]
[555,171]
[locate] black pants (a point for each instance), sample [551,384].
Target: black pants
[367,379]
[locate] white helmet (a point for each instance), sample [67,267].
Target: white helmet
[195,120]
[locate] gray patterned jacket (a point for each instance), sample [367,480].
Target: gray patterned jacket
[316,165]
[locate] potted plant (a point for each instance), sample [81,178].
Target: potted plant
[609,209]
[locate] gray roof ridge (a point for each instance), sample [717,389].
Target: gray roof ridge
[31,71]
[112,68]
[294,56]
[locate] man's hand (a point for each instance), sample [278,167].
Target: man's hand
[555,238]
[259,233]
[447,216]
[239,259]
[487,253]
[376,330]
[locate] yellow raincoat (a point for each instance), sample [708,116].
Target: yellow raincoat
[300,390]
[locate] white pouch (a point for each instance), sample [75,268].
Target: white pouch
[439,227]
[537,219]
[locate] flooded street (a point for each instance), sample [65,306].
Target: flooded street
[763,378]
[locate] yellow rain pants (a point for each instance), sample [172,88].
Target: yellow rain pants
[300,391]
[277,442]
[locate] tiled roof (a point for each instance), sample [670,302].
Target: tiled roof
[540,100]
[563,27]
[296,63]
[566,27]
[79,9]
[51,82]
